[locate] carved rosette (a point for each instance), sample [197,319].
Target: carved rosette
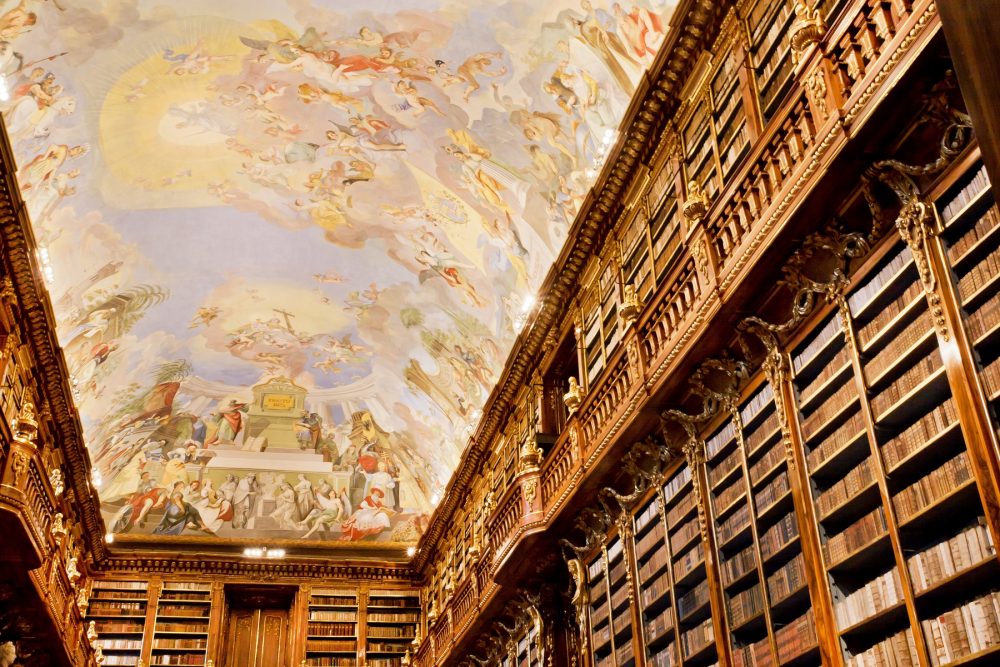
[916,225]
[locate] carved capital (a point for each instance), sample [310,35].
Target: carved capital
[696,205]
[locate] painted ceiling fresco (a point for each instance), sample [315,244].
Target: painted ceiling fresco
[290,244]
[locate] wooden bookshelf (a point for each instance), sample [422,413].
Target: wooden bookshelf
[332,627]
[769,23]
[181,625]
[391,620]
[658,634]
[118,611]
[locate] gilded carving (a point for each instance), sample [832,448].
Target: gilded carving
[98,654]
[56,482]
[697,203]
[574,397]
[83,601]
[19,465]
[72,569]
[808,27]
[816,90]
[58,529]
[26,425]
[699,250]
[92,632]
[915,225]
[530,455]
[631,304]
[531,491]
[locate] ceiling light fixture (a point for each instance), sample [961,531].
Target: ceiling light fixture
[411,552]
[263,552]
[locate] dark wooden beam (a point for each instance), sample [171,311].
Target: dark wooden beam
[971,28]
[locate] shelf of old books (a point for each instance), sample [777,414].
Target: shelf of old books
[391,619]
[600,612]
[118,610]
[699,153]
[771,50]
[180,631]
[655,587]
[618,595]
[728,115]
[332,628]
[693,613]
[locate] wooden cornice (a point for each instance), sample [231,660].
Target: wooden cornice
[656,98]
[34,311]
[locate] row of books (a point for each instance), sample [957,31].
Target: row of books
[830,407]
[878,594]
[919,433]
[787,579]
[383,662]
[774,456]
[979,182]
[991,378]
[741,563]
[757,654]
[184,596]
[858,534]
[117,628]
[693,599]
[120,660]
[830,369]
[655,537]
[862,296]
[677,483]
[177,659]
[331,645]
[332,661]
[724,467]
[595,568]
[980,275]
[187,586]
[186,610]
[180,642]
[655,590]
[688,561]
[683,535]
[330,615]
[729,495]
[985,319]
[797,637]
[657,560]
[761,433]
[745,605]
[774,490]
[733,524]
[664,657]
[901,342]
[659,625]
[819,341]
[643,518]
[756,403]
[963,631]
[697,638]
[950,557]
[778,535]
[856,480]
[984,225]
[890,311]
[388,647]
[602,635]
[898,650]
[132,644]
[684,505]
[832,443]
[390,631]
[117,609]
[118,595]
[623,653]
[333,600]
[933,486]
[332,629]
[883,401]
[106,584]
[721,438]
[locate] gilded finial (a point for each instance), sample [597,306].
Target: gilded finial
[697,203]
[631,303]
[808,27]
[26,425]
[574,397]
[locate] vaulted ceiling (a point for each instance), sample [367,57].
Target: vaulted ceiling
[290,244]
